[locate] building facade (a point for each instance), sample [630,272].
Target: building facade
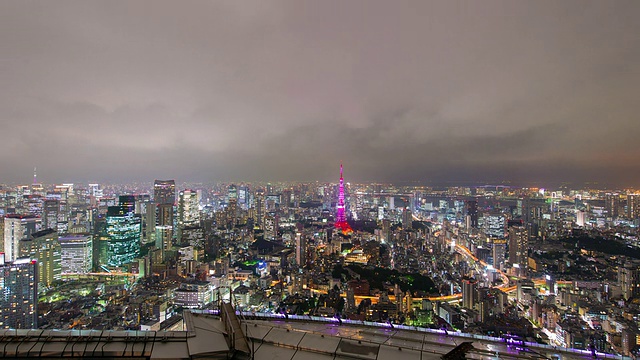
[76,253]
[18,294]
[124,231]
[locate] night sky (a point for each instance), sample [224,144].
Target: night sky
[432,91]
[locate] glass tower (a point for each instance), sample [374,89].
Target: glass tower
[124,229]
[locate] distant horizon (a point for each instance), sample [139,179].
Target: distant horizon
[407,183]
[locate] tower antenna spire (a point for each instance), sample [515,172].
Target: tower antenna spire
[341,218]
[35,176]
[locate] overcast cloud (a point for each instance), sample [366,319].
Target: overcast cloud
[473,91]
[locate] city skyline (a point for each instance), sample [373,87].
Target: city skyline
[431,92]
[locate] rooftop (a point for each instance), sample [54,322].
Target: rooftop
[271,337]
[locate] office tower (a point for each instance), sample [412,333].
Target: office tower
[124,230]
[50,216]
[629,279]
[633,206]
[494,225]
[232,212]
[18,294]
[469,293]
[188,212]
[271,226]
[472,213]
[581,217]
[164,192]
[150,222]
[232,192]
[44,247]
[128,202]
[612,204]
[301,246]
[76,253]
[164,227]
[144,207]
[95,191]
[518,246]
[499,251]
[243,196]
[259,209]
[341,217]
[16,228]
[33,205]
[407,219]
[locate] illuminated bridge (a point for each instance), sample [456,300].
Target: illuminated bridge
[226,334]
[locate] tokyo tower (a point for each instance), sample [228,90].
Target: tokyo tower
[341,219]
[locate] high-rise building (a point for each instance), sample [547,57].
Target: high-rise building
[472,213]
[499,252]
[44,247]
[76,253]
[164,192]
[164,228]
[124,230]
[407,219]
[633,206]
[494,225]
[469,293]
[232,192]
[18,294]
[259,209]
[629,279]
[188,212]
[612,204]
[144,207]
[301,248]
[50,216]
[581,218]
[95,191]
[128,201]
[16,228]
[518,246]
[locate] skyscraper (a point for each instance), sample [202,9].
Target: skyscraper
[407,219]
[499,252]
[612,204]
[18,294]
[301,247]
[472,213]
[44,247]
[469,293]
[50,216]
[164,192]
[16,228]
[629,279]
[76,253]
[128,201]
[633,206]
[518,246]
[494,225]
[188,212]
[124,230]
[164,228]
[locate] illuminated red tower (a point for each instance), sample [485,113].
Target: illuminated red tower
[341,219]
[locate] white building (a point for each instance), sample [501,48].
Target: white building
[77,253]
[196,294]
[16,228]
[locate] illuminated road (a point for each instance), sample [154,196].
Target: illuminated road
[464,251]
